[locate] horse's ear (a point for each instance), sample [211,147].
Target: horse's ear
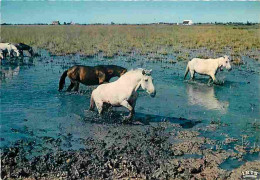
[148,72]
[143,72]
[225,57]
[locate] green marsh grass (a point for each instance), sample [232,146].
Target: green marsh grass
[143,39]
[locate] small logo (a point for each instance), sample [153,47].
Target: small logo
[250,175]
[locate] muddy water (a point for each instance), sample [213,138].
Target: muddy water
[32,108]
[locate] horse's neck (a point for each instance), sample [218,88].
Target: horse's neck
[133,82]
[219,61]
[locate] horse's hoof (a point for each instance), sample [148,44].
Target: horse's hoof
[219,83]
[127,119]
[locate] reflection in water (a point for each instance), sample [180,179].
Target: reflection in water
[9,72]
[10,68]
[205,96]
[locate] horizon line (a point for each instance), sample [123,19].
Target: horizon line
[113,23]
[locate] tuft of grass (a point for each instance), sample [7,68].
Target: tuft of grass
[183,57]
[237,61]
[203,56]
[256,125]
[218,122]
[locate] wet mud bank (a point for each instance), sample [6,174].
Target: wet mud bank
[156,151]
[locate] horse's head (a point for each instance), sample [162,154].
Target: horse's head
[116,71]
[122,71]
[147,82]
[225,62]
[31,51]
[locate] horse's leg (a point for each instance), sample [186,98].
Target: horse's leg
[97,101]
[11,53]
[72,84]
[99,105]
[192,72]
[213,77]
[4,54]
[132,101]
[76,88]
[210,79]
[130,108]
[209,82]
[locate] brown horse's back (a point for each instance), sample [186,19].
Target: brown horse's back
[90,75]
[83,74]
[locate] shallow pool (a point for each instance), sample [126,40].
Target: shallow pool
[33,108]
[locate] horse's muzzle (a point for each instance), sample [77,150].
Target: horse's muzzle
[153,94]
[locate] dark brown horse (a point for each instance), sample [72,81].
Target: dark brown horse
[90,75]
[23,47]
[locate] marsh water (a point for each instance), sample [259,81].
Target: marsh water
[33,108]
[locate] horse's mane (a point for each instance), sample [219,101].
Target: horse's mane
[132,71]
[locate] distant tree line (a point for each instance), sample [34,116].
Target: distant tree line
[25,24]
[112,23]
[236,23]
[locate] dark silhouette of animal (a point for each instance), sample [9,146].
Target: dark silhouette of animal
[88,75]
[23,47]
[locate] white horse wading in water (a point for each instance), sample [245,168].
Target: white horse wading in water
[9,48]
[123,92]
[207,67]
[1,54]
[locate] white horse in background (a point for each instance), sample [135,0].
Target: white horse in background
[8,48]
[1,54]
[123,92]
[207,67]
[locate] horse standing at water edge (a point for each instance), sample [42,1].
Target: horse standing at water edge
[90,75]
[23,47]
[123,92]
[207,67]
[8,48]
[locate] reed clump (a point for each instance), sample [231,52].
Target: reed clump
[113,40]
